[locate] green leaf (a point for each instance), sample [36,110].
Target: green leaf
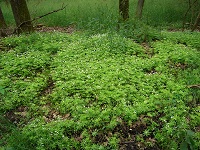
[2,91]
[190,133]
[190,142]
[184,146]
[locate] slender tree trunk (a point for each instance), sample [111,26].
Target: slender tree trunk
[197,22]
[2,24]
[124,9]
[2,20]
[21,15]
[139,8]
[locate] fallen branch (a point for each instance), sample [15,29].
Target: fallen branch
[127,142]
[194,86]
[39,17]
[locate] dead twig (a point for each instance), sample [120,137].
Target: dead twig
[194,86]
[127,142]
[39,17]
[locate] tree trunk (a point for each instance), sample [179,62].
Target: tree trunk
[124,9]
[139,9]
[197,22]
[2,24]
[2,20]
[21,15]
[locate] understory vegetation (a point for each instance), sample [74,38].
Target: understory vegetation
[101,15]
[106,86]
[102,91]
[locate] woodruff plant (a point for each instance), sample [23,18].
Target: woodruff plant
[99,91]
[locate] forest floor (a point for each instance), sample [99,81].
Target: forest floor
[99,91]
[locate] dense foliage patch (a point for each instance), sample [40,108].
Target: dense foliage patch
[191,39]
[103,91]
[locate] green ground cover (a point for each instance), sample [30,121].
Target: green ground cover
[100,91]
[102,87]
